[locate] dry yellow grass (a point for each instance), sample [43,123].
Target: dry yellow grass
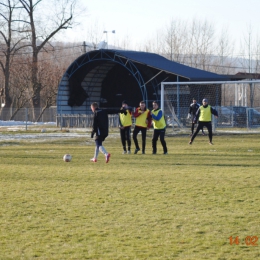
[185,205]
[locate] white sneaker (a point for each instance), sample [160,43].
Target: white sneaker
[129,152]
[124,152]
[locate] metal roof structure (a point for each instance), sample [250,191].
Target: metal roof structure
[109,76]
[160,63]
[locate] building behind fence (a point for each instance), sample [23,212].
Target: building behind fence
[238,105]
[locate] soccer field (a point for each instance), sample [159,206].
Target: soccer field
[197,202]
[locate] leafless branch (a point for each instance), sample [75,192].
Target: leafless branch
[54,32]
[2,66]
[24,21]
[5,39]
[4,16]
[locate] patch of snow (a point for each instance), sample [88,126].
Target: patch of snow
[24,123]
[43,134]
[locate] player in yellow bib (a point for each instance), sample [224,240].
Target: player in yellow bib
[204,115]
[125,124]
[159,126]
[142,123]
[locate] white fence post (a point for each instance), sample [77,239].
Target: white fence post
[26,118]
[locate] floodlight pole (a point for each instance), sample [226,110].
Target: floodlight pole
[113,31]
[162,97]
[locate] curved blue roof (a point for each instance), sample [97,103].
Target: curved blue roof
[106,75]
[159,62]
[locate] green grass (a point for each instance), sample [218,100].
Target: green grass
[184,205]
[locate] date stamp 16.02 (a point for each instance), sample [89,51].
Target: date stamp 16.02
[249,240]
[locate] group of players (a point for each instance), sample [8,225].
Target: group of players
[144,119]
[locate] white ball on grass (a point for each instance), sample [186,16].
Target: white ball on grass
[67,158]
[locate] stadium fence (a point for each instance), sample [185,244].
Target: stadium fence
[237,103]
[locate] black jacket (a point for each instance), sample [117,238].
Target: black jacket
[100,122]
[193,108]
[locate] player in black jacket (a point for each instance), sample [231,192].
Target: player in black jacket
[100,128]
[194,106]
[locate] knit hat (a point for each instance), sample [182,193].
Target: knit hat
[124,102]
[205,100]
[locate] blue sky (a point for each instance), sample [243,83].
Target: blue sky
[140,20]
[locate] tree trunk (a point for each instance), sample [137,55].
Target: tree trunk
[7,98]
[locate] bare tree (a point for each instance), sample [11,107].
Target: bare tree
[94,35]
[250,47]
[190,43]
[10,43]
[175,40]
[154,44]
[202,45]
[49,74]
[19,84]
[224,62]
[126,42]
[41,28]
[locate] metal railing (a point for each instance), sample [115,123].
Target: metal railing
[229,117]
[82,121]
[29,114]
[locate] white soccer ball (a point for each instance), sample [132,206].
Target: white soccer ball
[67,158]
